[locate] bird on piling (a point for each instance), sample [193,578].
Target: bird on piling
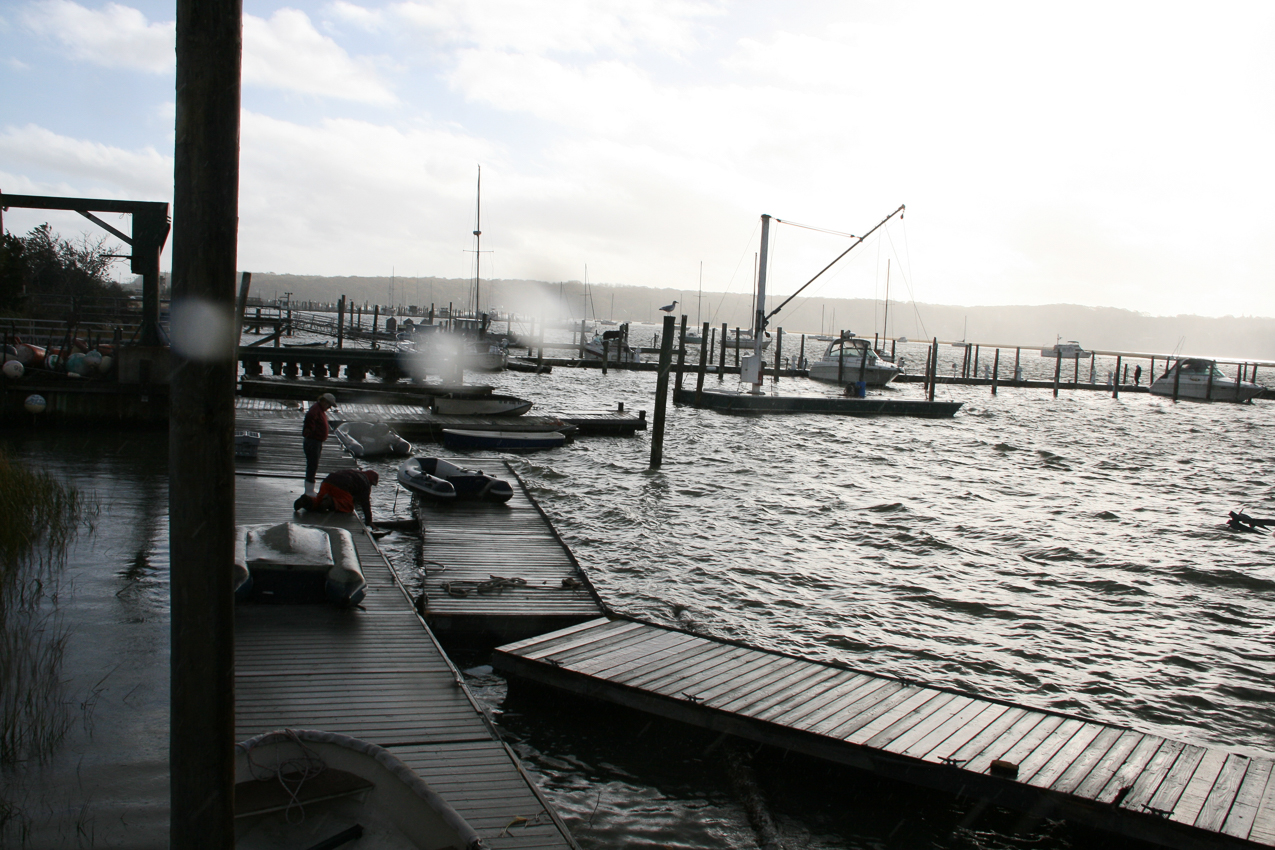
[668,308]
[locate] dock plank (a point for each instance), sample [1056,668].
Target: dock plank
[1207,800]
[1263,829]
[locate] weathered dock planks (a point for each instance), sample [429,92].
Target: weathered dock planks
[413,421]
[375,673]
[1140,785]
[469,543]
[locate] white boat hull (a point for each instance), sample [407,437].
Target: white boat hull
[350,782]
[1193,384]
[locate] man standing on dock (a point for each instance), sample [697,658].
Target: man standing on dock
[314,431]
[1137,375]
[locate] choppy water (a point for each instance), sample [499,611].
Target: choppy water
[1068,553]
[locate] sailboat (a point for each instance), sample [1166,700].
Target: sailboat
[964,335]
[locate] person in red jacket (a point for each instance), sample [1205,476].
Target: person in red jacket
[314,431]
[342,491]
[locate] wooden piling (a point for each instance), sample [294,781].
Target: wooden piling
[1075,378]
[1018,352]
[340,322]
[1208,389]
[721,365]
[681,354]
[583,330]
[779,351]
[1115,379]
[376,320]
[934,368]
[661,394]
[1177,376]
[996,369]
[606,351]
[736,348]
[1057,369]
[201,464]
[974,368]
[705,349]
[1239,379]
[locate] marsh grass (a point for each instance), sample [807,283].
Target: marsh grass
[39,517]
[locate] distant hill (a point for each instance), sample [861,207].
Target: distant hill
[1098,328]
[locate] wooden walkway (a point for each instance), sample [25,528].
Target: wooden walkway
[1140,785]
[467,543]
[413,421]
[377,673]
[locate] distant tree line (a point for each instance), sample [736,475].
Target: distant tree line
[42,265]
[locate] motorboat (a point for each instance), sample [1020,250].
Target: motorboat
[1200,380]
[847,359]
[1069,350]
[294,563]
[490,405]
[413,476]
[370,439]
[461,440]
[483,356]
[468,483]
[296,786]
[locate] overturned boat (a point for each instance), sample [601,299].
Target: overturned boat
[489,405]
[467,483]
[296,563]
[370,439]
[515,441]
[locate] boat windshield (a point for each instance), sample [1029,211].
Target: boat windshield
[1200,368]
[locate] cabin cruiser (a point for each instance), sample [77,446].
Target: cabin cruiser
[1201,380]
[1069,350]
[850,356]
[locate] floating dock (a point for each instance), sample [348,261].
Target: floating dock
[1116,779]
[415,422]
[743,402]
[471,544]
[375,673]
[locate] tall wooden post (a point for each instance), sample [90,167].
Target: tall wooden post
[934,368]
[736,348]
[996,369]
[681,356]
[606,351]
[801,353]
[340,322]
[376,320]
[583,329]
[1017,354]
[1057,370]
[705,350]
[661,393]
[1115,379]
[1177,376]
[974,368]
[721,364]
[201,461]
[1208,389]
[1239,379]
[779,351]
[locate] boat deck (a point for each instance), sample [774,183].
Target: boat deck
[376,673]
[1140,785]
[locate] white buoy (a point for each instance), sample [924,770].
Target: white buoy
[35,403]
[13,369]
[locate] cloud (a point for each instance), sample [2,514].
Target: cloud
[283,52]
[286,52]
[114,36]
[143,174]
[573,26]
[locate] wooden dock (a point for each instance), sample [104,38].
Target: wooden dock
[413,421]
[469,544]
[375,673]
[1117,779]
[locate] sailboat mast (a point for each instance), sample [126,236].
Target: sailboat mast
[478,242]
[885,320]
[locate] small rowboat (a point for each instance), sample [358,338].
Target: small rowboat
[298,785]
[492,405]
[524,441]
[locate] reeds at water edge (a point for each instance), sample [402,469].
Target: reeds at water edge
[39,517]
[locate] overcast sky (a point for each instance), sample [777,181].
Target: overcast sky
[1106,154]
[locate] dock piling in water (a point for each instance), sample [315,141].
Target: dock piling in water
[661,393]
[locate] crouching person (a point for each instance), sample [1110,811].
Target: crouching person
[342,491]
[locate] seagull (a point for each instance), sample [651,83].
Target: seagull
[668,308]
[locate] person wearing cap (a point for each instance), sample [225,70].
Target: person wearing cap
[314,431]
[342,491]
